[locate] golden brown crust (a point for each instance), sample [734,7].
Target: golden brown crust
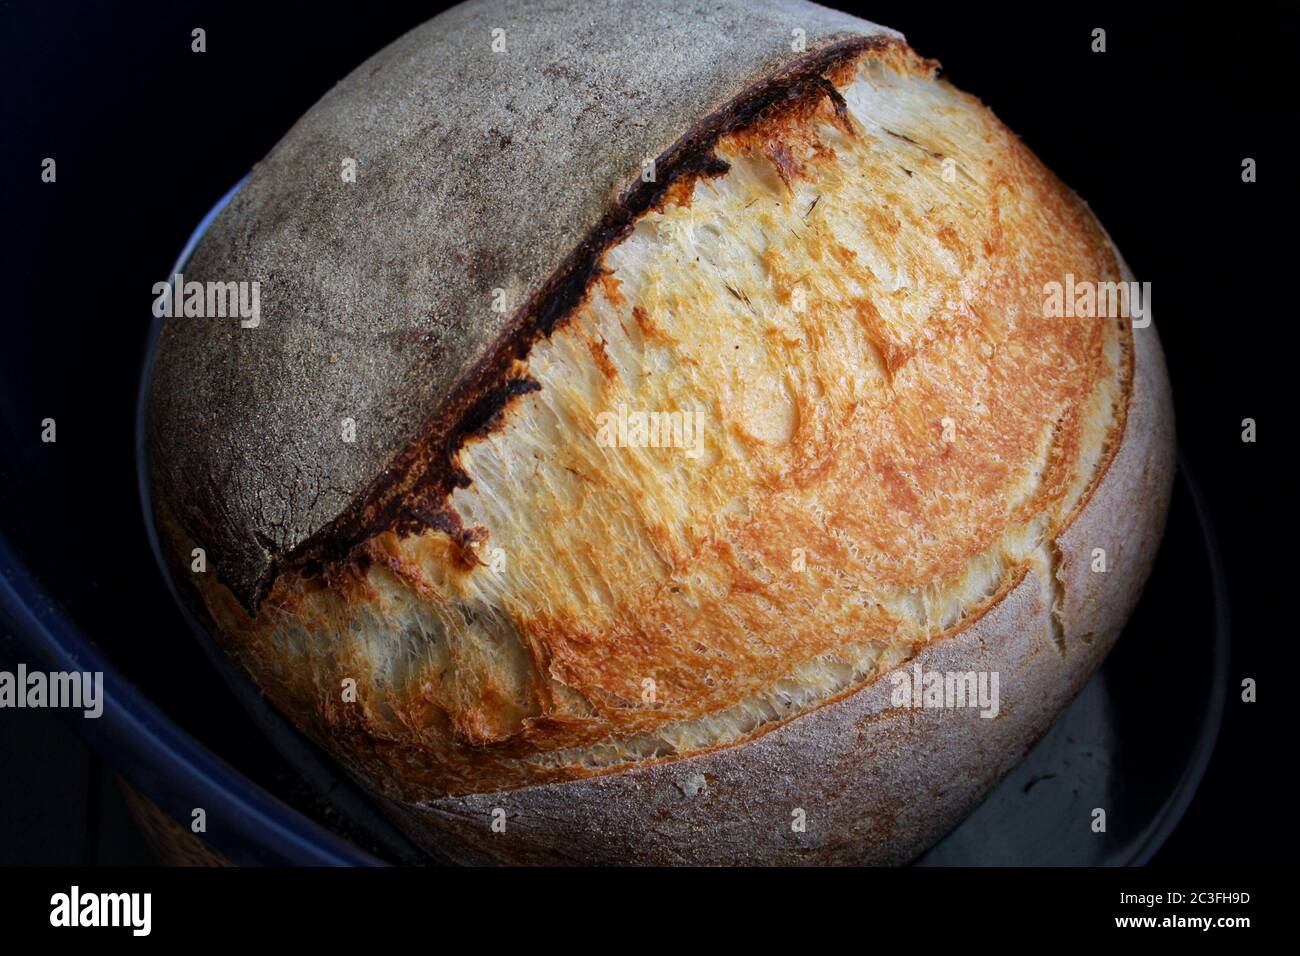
[628,566]
[877,784]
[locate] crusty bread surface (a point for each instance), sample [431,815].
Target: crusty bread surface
[873,450]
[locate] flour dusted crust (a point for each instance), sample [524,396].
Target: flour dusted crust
[648,656]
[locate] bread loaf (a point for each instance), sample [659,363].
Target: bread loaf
[674,389]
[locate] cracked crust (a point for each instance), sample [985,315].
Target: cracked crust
[878,784]
[522,692]
[378,296]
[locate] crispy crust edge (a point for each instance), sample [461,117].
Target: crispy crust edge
[879,784]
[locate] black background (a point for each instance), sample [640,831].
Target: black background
[148,135]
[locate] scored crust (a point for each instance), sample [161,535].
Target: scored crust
[496,152]
[646,656]
[877,783]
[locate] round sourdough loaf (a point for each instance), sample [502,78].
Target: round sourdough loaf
[644,395]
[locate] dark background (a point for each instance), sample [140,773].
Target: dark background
[148,135]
